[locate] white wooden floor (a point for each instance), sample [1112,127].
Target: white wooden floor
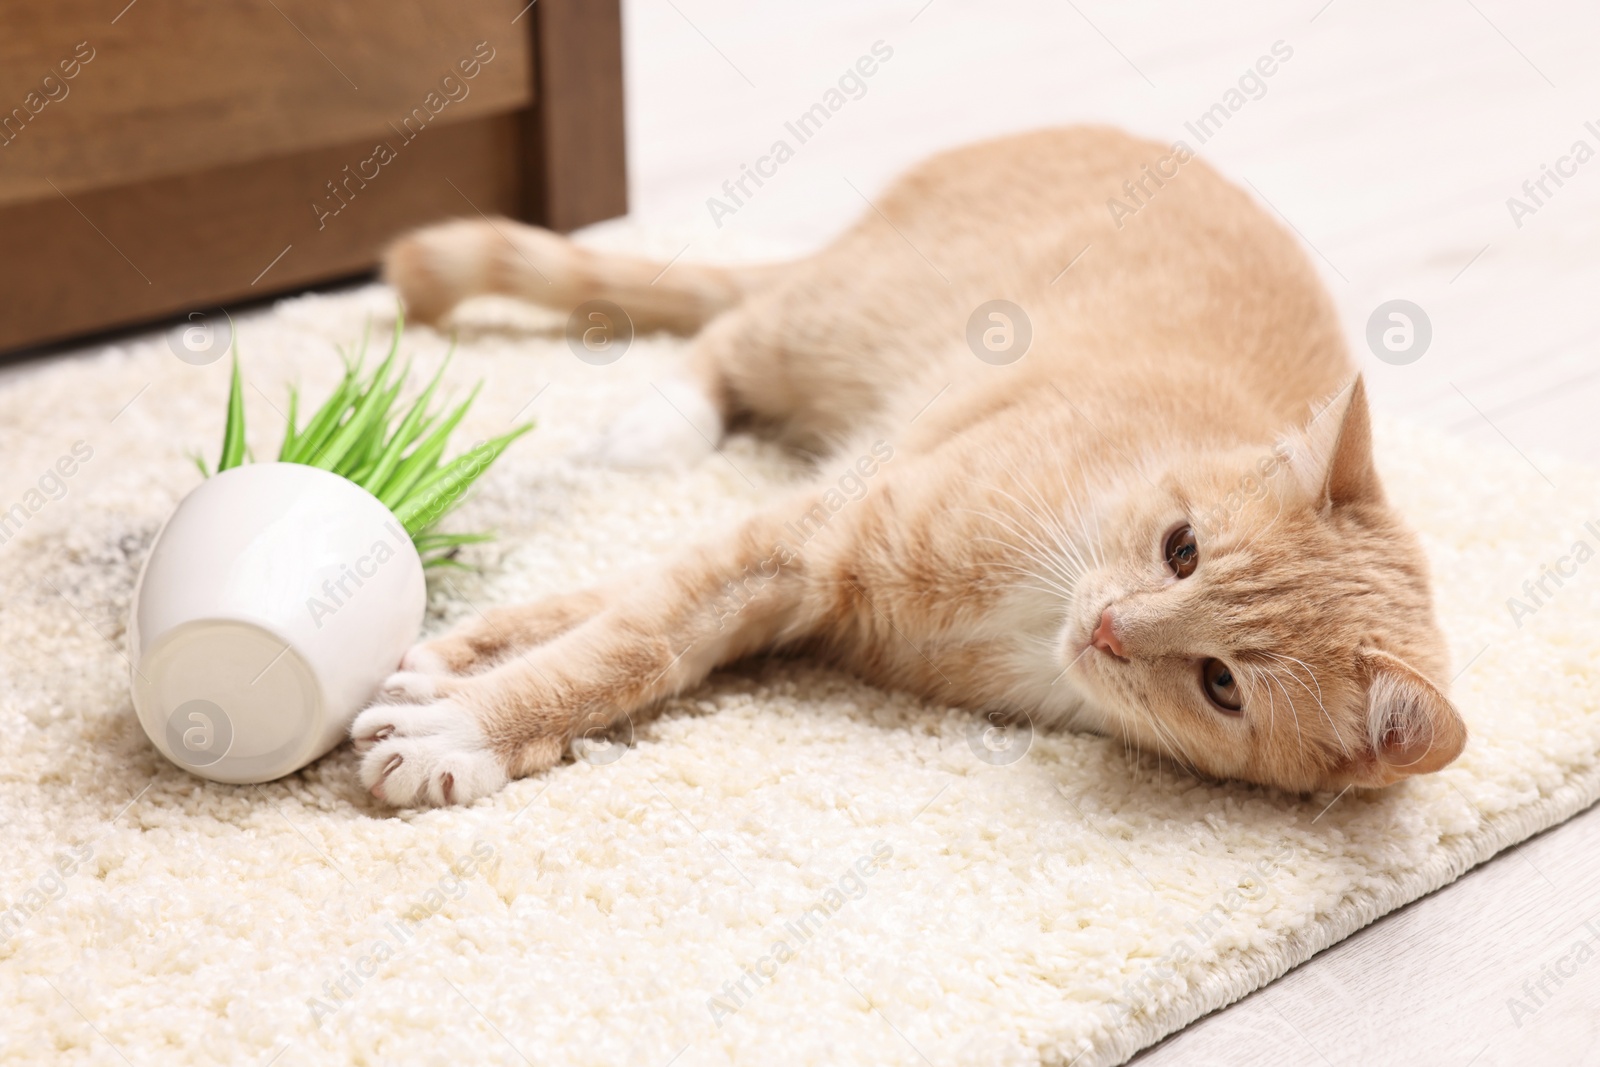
[1390,140]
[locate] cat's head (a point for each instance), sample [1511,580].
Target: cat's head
[1265,615]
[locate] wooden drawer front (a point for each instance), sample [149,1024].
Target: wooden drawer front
[177,155]
[185,85]
[131,253]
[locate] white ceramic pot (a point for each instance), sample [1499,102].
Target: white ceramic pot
[274,601]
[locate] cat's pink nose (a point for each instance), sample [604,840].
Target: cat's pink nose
[1105,636]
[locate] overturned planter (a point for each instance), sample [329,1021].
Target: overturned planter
[278,596]
[273,603]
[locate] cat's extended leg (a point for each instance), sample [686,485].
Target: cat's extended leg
[441,739]
[500,632]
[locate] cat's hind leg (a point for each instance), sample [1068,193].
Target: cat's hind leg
[682,417]
[674,426]
[438,266]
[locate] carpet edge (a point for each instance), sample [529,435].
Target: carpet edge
[1236,978]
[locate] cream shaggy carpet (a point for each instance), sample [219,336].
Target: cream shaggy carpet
[786,867]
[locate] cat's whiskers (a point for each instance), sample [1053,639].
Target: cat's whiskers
[1032,547]
[1317,696]
[1091,540]
[1130,746]
[1039,585]
[1058,556]
[1047,524]
[1163,734]
[1294,712]
[1309,672]
[1044,514]
[1062,580]
[1095,541]
[1166,738]
[1044,641]
[1046,552]
[1052,546]
[1250,687]
[1057,523]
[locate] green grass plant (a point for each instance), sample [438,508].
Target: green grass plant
[394,451]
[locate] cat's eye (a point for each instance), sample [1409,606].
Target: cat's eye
[1217,679]
[1182,551]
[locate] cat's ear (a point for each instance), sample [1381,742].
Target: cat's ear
[1332,457]
[1412,728]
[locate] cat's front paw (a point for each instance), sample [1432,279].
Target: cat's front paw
[425,747]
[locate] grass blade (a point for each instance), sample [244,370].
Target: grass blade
[289,430]
[432,497]
[380,397]
[324,421]
[233,429]
[412,426]
[381,455]
[422,460]
[430,542]
[364,454]
[365,403]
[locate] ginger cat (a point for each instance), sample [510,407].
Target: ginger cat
[1162,523]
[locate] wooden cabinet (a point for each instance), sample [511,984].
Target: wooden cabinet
[174,155]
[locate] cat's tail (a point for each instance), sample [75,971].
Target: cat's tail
[437,267]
